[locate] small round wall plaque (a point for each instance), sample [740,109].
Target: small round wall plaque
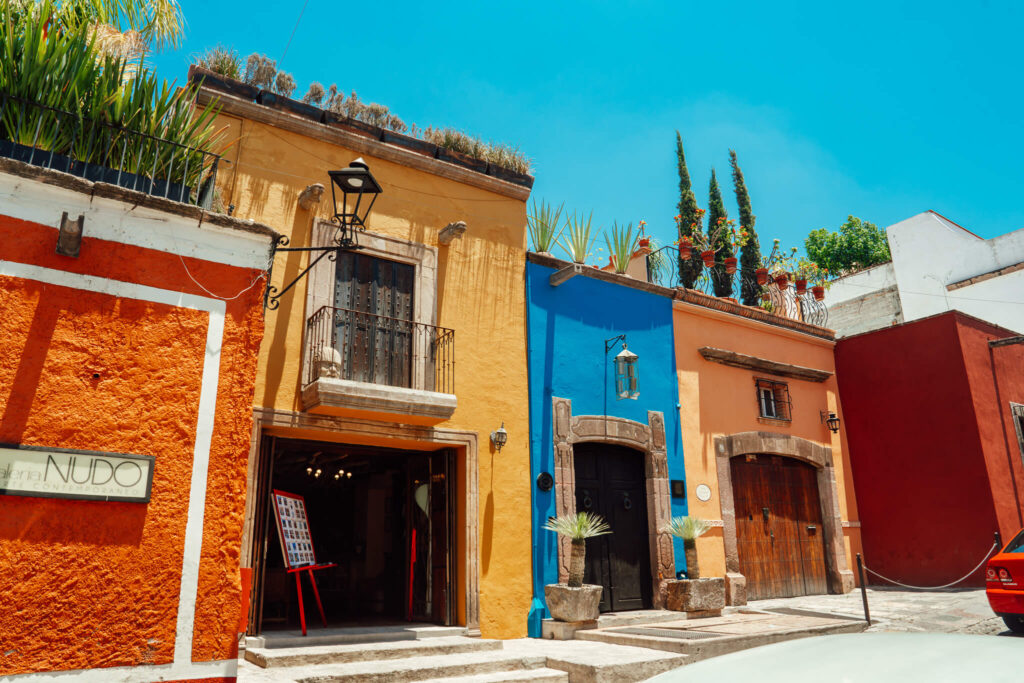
[545,481]
[703,492]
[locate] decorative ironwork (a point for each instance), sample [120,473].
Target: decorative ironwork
[773,399]
[781,299]
[103,152]
[345,344]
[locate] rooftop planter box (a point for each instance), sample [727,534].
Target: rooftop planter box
[511,176]
[287,104]
[408,142]
[197,74]
[472,163]
[351,125]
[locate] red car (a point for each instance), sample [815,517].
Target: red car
[1004,583]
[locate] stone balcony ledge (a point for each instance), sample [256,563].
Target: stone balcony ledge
[348,398]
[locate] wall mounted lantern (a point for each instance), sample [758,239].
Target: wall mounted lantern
[359,190]
[627,374]
[499,437]
[830,419]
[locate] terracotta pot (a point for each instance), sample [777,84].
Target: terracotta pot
[819,293]
[709,258]
[730,264]
[762,276]
[685,253]
[643,242]
[782,281]
[801,286]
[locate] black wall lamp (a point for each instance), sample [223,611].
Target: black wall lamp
[499,437]
[359,190]
[830,419]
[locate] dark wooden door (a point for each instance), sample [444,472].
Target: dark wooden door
[374,298]
[778,527]
[610,482]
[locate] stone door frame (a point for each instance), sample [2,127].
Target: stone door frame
[648,439]
[840,578]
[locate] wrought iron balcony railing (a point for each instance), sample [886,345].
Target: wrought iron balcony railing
[668,270]
[363,347]
[53,138]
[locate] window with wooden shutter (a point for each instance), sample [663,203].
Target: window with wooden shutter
[773,400]
[374,302]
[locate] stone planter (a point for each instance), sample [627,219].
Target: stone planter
[573,604]
[699,597]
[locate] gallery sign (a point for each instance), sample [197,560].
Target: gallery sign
[81,475]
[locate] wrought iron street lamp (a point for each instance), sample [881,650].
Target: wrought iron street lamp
[830,419]
[627,374]
[359,190]
[499,437]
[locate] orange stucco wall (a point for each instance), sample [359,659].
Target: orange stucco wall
[480,294]
[88,584]
[718,400]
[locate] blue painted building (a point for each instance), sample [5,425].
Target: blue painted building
[589,450]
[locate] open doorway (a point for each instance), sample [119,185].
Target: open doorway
[384,516]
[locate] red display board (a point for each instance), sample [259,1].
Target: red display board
[293,530]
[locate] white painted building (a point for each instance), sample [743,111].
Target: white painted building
[936,266]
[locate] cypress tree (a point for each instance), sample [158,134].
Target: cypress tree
[750,254]
[689,218]
[718,238]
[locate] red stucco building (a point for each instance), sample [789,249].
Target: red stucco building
[934,413]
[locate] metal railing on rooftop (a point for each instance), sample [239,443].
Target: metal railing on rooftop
[363,347]
[56,139]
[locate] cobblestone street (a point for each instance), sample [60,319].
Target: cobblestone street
[964,610]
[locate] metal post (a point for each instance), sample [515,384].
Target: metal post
[999,541]
[863,589]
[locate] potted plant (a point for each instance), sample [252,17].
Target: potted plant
[621,246]
[823,283]
[643,241]
[578,241]
[805,270]
[696,595]
[685,245]
[574,601]
[543,226]
[737,238]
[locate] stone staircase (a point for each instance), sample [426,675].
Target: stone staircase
[455,659]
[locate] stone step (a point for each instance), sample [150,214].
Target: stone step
[640,616]
[542,674]
[703,638]
[417,668]
[595,661]
[362,652]
[351,634]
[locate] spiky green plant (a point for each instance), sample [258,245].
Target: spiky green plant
[578,528]
[688,529]
[621,245]
[579,239]
[543,224]
[221,60]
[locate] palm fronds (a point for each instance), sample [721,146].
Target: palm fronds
[687,528]
[579,527]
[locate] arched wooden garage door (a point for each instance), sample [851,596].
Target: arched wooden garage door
[779,535]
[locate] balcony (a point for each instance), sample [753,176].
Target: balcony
[358,364]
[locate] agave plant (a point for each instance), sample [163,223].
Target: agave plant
[543,225]
[621,246]
[689,529]
[578,240]
[578,528]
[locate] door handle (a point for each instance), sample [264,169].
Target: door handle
[626,502]
[764,513]
[812,528]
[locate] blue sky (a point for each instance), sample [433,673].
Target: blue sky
[877,109]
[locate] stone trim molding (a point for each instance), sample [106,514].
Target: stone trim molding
[840,578]
[360,144]
[267,421]
[650,440]
[742,360]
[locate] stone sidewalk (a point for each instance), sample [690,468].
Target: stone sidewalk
[957,610]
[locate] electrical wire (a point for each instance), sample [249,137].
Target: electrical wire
[216,296]
[294,29]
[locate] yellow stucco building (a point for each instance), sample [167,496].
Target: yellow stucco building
[382,375]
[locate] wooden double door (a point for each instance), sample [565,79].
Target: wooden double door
[610,483]
[779,533]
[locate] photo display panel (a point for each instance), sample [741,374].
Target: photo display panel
[293,529]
